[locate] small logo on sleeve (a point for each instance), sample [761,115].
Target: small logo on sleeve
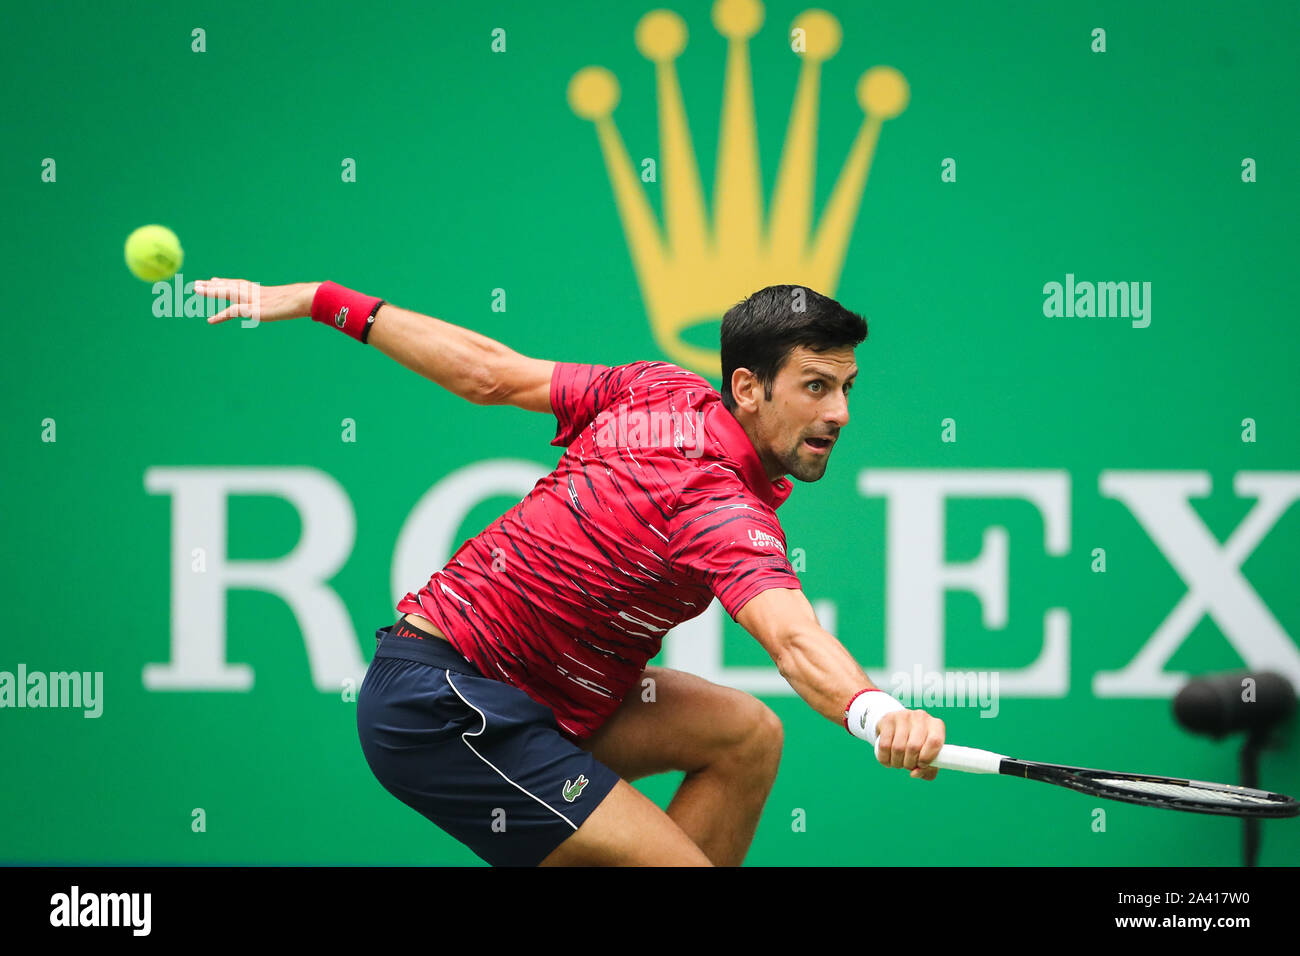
[573,788]
[764,540]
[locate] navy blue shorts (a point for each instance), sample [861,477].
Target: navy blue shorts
[478,757]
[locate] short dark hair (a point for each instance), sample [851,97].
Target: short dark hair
[760,332]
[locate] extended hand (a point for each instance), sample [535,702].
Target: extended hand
[910,739]
[261,303]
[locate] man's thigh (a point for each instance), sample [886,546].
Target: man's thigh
[627,829]
[672,720]
[478,758]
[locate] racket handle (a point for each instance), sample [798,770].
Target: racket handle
[965,759]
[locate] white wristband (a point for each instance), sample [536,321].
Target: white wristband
[865,713]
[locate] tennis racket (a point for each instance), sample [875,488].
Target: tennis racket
[1169,793]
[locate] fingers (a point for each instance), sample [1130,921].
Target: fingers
[237,310]
[218,288]
[933,743]
[886,730]
[916,739]
[910,740]
[901,736]
[244,297]
[212,288]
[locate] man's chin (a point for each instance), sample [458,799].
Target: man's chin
[808,471]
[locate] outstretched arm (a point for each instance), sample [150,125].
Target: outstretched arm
[468,364]
[473,366]
[826,676]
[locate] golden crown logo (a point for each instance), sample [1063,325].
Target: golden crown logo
[692,272]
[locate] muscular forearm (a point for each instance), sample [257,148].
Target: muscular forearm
[827,677]
[460,360]
[822,672]
[465,363]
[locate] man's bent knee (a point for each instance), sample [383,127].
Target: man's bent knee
[761,745]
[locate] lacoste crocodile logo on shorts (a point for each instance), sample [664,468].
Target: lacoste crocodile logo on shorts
[573,789]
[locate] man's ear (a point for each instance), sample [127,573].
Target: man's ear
[745,389]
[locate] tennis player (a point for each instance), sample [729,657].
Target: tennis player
[511,702]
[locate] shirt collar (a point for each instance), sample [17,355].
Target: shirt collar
[730,437]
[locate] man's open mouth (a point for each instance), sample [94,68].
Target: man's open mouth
[819,444]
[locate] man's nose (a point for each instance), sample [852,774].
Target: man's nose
[838,412]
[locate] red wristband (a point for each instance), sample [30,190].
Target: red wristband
[849,705]
[351,312]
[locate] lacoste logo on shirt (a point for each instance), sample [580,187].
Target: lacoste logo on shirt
[573,790]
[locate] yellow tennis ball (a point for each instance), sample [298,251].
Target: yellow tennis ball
[153,253]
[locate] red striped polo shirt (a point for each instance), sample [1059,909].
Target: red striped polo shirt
[659,504]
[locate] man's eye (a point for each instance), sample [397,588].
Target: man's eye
[815,385]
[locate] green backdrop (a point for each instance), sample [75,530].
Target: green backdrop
[472,175]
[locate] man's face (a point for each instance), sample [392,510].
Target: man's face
[796,430]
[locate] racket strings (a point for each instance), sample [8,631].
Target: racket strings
[1185,792]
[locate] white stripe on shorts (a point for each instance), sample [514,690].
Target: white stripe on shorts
[467,735]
